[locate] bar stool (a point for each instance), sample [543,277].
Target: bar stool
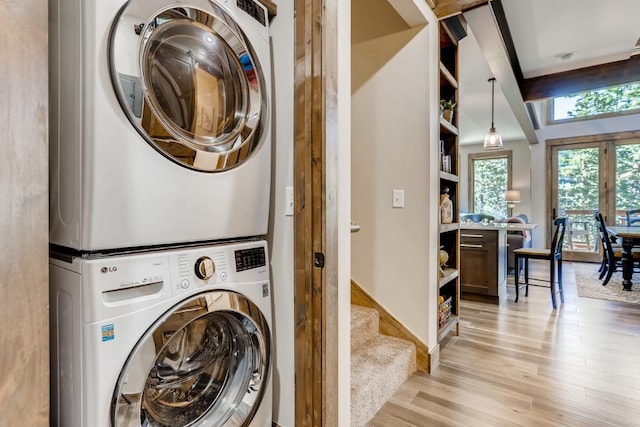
[553,255]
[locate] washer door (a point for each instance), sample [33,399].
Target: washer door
[189,81]
[204,363]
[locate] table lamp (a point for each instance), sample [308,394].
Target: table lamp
[512,197]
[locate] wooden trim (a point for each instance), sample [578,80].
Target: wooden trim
[589,78]
[315,287]
[306,394]
[327,196]
[389,325]
[617,136]
[445,8]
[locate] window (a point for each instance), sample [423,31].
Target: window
[490,178]
[610,100]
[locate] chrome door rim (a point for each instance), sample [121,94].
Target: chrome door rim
[211,129]
[235,398]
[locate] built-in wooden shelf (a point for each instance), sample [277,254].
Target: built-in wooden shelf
[449,176]
[446,127]
[448,327]
[449,227]
[446,74]
[449,275]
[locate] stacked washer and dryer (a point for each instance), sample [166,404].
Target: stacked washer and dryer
[160,173]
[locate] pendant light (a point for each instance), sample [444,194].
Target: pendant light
[493,140]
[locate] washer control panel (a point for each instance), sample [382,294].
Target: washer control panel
[223,264]
[205,268]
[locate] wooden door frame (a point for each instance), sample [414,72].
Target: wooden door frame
[315,213]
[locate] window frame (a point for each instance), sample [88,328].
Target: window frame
[473,157]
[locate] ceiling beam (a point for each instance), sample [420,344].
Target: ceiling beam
[496,45]
[414,14]
[445,8]
[590,78]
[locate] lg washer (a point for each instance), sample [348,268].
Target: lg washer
[160,122]
[177,337]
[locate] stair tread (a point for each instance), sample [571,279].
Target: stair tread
[378,368]
[381,350]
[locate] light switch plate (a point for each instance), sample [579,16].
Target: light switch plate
[398,199]
[289,196]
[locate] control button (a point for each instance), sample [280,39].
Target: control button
[205,268]
[184,284]
[223,276]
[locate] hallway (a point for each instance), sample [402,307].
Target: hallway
[525,365]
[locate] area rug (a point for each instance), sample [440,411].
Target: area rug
[589,286]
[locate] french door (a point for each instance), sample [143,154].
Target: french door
[598,172]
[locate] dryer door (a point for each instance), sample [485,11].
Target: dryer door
[204,363]
[189,81]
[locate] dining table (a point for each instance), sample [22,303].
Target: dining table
[630,238]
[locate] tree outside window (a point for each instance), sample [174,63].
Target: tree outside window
[490,176]
[614,99]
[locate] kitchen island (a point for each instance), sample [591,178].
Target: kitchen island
[483,259]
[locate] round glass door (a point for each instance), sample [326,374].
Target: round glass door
[204,363]
[189,81]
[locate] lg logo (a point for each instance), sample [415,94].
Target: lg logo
[108,269]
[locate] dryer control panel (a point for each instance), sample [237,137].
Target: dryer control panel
[247,259]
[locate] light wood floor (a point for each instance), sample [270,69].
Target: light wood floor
[525,364]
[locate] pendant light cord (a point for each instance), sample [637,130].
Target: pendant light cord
[493,81]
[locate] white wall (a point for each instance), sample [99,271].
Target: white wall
[281,227]
[394,146]
[343,142]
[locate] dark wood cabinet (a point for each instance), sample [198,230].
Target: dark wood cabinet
[483,264]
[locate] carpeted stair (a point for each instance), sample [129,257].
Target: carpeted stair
[379,364]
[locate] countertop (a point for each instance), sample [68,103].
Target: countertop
[497,226]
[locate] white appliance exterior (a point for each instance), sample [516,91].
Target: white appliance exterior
[109,187]
[89,296]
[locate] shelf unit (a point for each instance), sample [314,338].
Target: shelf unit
[449,235]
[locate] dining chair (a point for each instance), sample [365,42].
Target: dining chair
[601,237]
[612,253]
[553,255]
[633,218]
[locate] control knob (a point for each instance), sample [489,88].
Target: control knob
[205,268]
